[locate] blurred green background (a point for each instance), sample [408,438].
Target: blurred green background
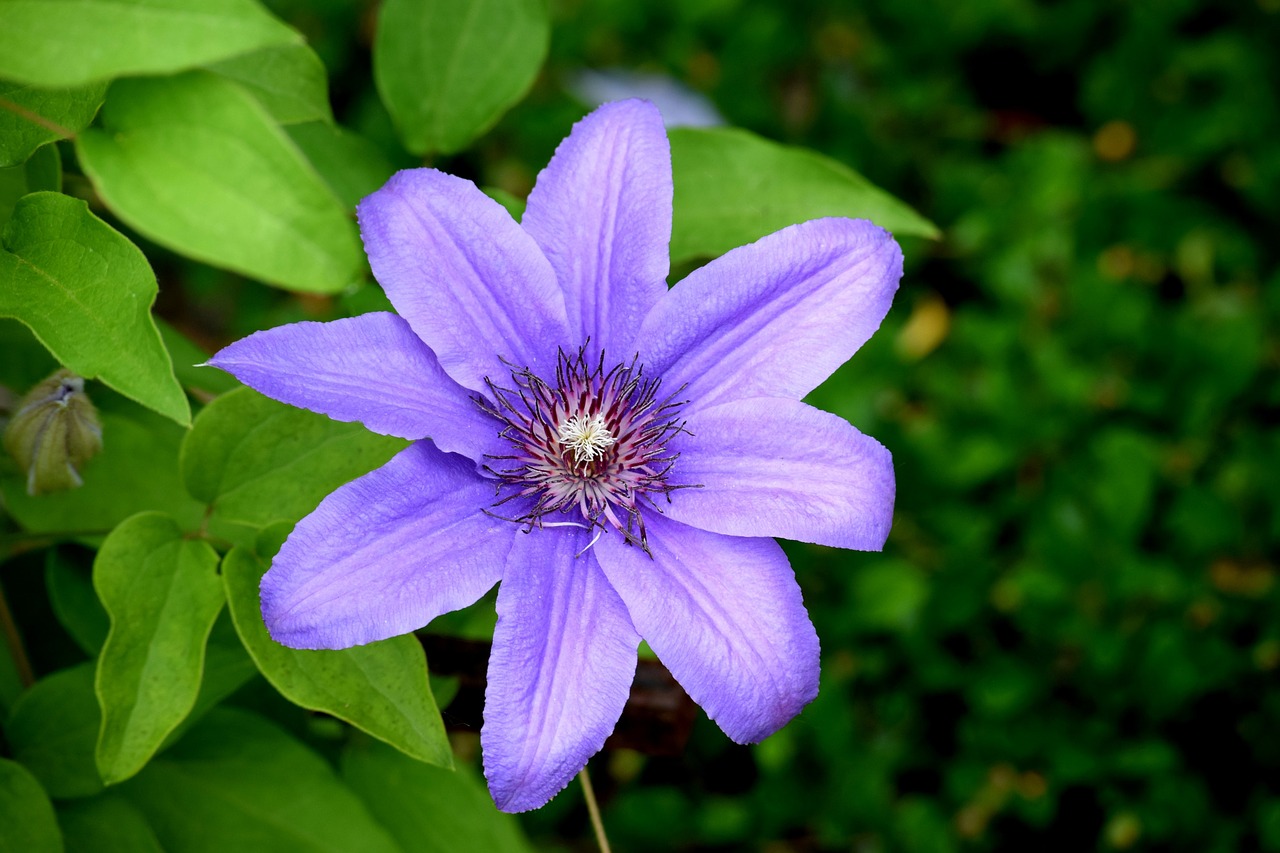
[1072,638]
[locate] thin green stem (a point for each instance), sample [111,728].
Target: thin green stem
[14,641]
[594,810]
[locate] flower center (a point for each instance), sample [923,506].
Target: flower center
[590,445]
[588,438]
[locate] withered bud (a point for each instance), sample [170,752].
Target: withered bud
[53,433]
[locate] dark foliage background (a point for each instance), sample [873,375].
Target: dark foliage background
[1072,639]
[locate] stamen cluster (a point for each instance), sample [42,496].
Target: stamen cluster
[591,444]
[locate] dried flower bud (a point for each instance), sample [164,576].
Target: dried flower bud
[53,433]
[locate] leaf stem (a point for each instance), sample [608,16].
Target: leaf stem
[14,641]
[594,810]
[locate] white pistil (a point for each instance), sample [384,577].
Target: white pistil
[588,437]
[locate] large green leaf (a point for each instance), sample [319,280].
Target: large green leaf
[259,461]
[30,116]
[350,164]
[26,362]
[196,164]
[236,782]
[27,822]
[227,668]
[107,823]
[137,470]
[733,187]
[69,42]
[86,292]
[428,809]
[447,70]
[41,172]
[288,79]
[52,729]
[162,593]
[381,687]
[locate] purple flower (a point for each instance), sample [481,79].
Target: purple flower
[617,454]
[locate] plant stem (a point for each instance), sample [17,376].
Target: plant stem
[594,811]
[14,641]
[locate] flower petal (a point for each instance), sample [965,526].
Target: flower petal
[564,656]
[472,284]
[775,467]
[386,554]
[372,369]
[601,212]
[726,617]
[776,317]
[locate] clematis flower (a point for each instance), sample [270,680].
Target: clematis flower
[617,454]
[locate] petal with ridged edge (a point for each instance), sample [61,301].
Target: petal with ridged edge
[776,317]
[725,615]
[372,369]
[387,553]
[601,212]
[777,467]
[564,656]
[473,285]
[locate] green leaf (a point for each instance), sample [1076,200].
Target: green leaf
[428,809]
[259,461]
[74,602]
[350,164]
[162,593]
[30,116]
[26,362]
[188,361]
[41,172]
[136,471]
[27,822]
[52,729]
[86,292]
[197,165]
[447,71]
[288,79]
[733,187]
[70,42]
[107,823]
[227,668]
[236,782]
[380,687]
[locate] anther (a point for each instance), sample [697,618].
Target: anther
[588,438]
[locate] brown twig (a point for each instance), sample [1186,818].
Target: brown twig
[14,641]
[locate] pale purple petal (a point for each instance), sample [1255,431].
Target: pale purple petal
[775,467]
[564,656]
[776,317]
[601,212]
[387,553]
[473,285]
[726,617]
[372,369]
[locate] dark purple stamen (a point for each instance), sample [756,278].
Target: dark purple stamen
[594,441]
